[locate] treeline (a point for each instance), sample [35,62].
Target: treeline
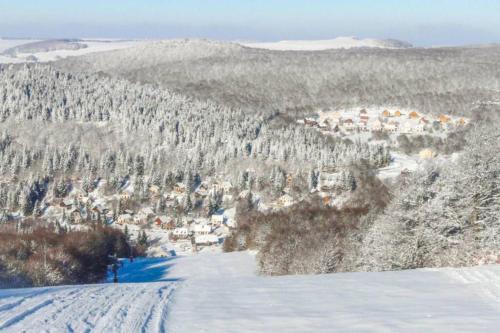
[454,142]
[35,254]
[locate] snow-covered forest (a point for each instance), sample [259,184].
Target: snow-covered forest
[431,80]
[169,134]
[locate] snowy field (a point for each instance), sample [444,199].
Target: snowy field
[221,293]
[318,45]
[93,46]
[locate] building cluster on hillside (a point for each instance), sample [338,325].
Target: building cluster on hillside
[390,121]
[165,211]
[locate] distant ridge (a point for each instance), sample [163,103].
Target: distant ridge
[337,43]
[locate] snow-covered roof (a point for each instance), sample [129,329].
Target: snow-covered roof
[202,228]
[206,239]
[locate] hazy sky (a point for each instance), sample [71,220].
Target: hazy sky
[422,22]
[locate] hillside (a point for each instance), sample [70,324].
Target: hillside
[220,293]
[438,80]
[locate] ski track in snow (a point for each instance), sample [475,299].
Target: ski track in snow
[124,307]
[222,293]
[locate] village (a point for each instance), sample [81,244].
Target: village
[170,226]
[355,122]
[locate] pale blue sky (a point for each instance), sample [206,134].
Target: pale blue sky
[422,22]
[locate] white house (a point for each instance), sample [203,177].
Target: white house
[376,126]
[285,201]
[418,128]
[124,219]
[181,232]
[230,223]
[217,219]
[202,229]
[391,127]
[206,239]
[406,128]
[227,186]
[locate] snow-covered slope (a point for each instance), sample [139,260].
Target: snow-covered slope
[337,43]
[221,293]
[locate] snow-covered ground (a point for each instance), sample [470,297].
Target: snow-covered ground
[93,46]
[399,163]
[222,293]
[318,45]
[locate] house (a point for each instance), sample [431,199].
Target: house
[75,216]
[154,189]
[181,232]
[336,115]
[227,198]
[327,200]
[390,127]
[418,128]
[398,113]
[217,219]
[206,240]
[124,219]
[160,220]
[67,203]
[125,195]
[423,121]
[427,154]
[406,128]
[413,115]
[227,186]
[363,112]
[324,124]
[231,223]
[179,188]
[376,126]
[436,125]
[144,215]
[348,124]
[362,126]
[285,201]
[310,122]
[444,119]
[333,122]
[386,114]
[461,122]
[244,194]
[202,190]
[202,229]
[99,209]
[170,225]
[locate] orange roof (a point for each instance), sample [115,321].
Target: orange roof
[444,119]
[413,114]
[386,113]
[397,113]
